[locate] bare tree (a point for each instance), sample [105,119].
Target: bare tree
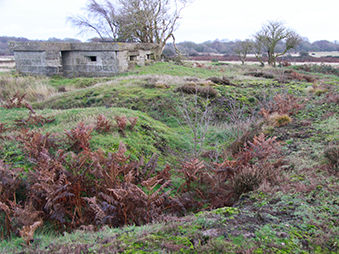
[271,34]
[242,49]
[197,116]
[101,18]
[146,21]
[258,48]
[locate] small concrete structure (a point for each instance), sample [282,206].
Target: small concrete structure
[80,59]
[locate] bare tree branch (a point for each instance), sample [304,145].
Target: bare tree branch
[146,21]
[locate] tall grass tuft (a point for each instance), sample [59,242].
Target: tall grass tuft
[36,88]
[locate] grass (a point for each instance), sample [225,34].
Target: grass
[36,88]
[297,214]
[148,136]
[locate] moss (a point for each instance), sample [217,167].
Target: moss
[226,211]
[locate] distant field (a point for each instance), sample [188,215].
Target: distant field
[328,58]
[7,63]
[324,54]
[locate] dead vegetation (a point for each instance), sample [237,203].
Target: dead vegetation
[69,185]
[194,89]
[76,187]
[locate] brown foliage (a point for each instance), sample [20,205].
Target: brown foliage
[15,102]
[204,189]
[10,182]
[56,190]
[199,65]
[83,187]
[133,121]
[297,76]
[33,119]
[331,153]
[285,64]
[79,136]
[300,77]
[192,171]
[279,120]
[3,129]
[238,144]
[282,104]
[121,201]
[251,166]
[121,123]
[250,177]
[27,232]
[103,125]
[35,143]
[260,149]
[332,98]
[128,203]
[221,81]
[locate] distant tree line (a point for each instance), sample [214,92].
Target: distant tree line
[189,48]
[4,49]
[227,47]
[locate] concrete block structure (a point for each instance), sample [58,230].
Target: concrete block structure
[80,59]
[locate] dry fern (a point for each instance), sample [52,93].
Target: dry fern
[79,136]
[27,232]
[103,125]
[133,121]
[15,102]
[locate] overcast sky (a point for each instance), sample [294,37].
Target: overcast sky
[203,20]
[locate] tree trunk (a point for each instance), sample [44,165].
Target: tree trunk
[158,52]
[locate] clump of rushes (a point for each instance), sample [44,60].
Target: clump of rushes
[317,90]
[279,120]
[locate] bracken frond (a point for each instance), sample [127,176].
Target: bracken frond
[103,124]
[27,232]
[15,102]
[79,136]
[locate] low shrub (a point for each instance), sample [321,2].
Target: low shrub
[317,90]
[279,120]
[205,92]
[332,156]
[221,81]
[332,98]
[247,179]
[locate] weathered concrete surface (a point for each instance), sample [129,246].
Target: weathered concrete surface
[80,59]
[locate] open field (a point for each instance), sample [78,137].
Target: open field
[201,158]
[7,63]
[324,54]
[330,58]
